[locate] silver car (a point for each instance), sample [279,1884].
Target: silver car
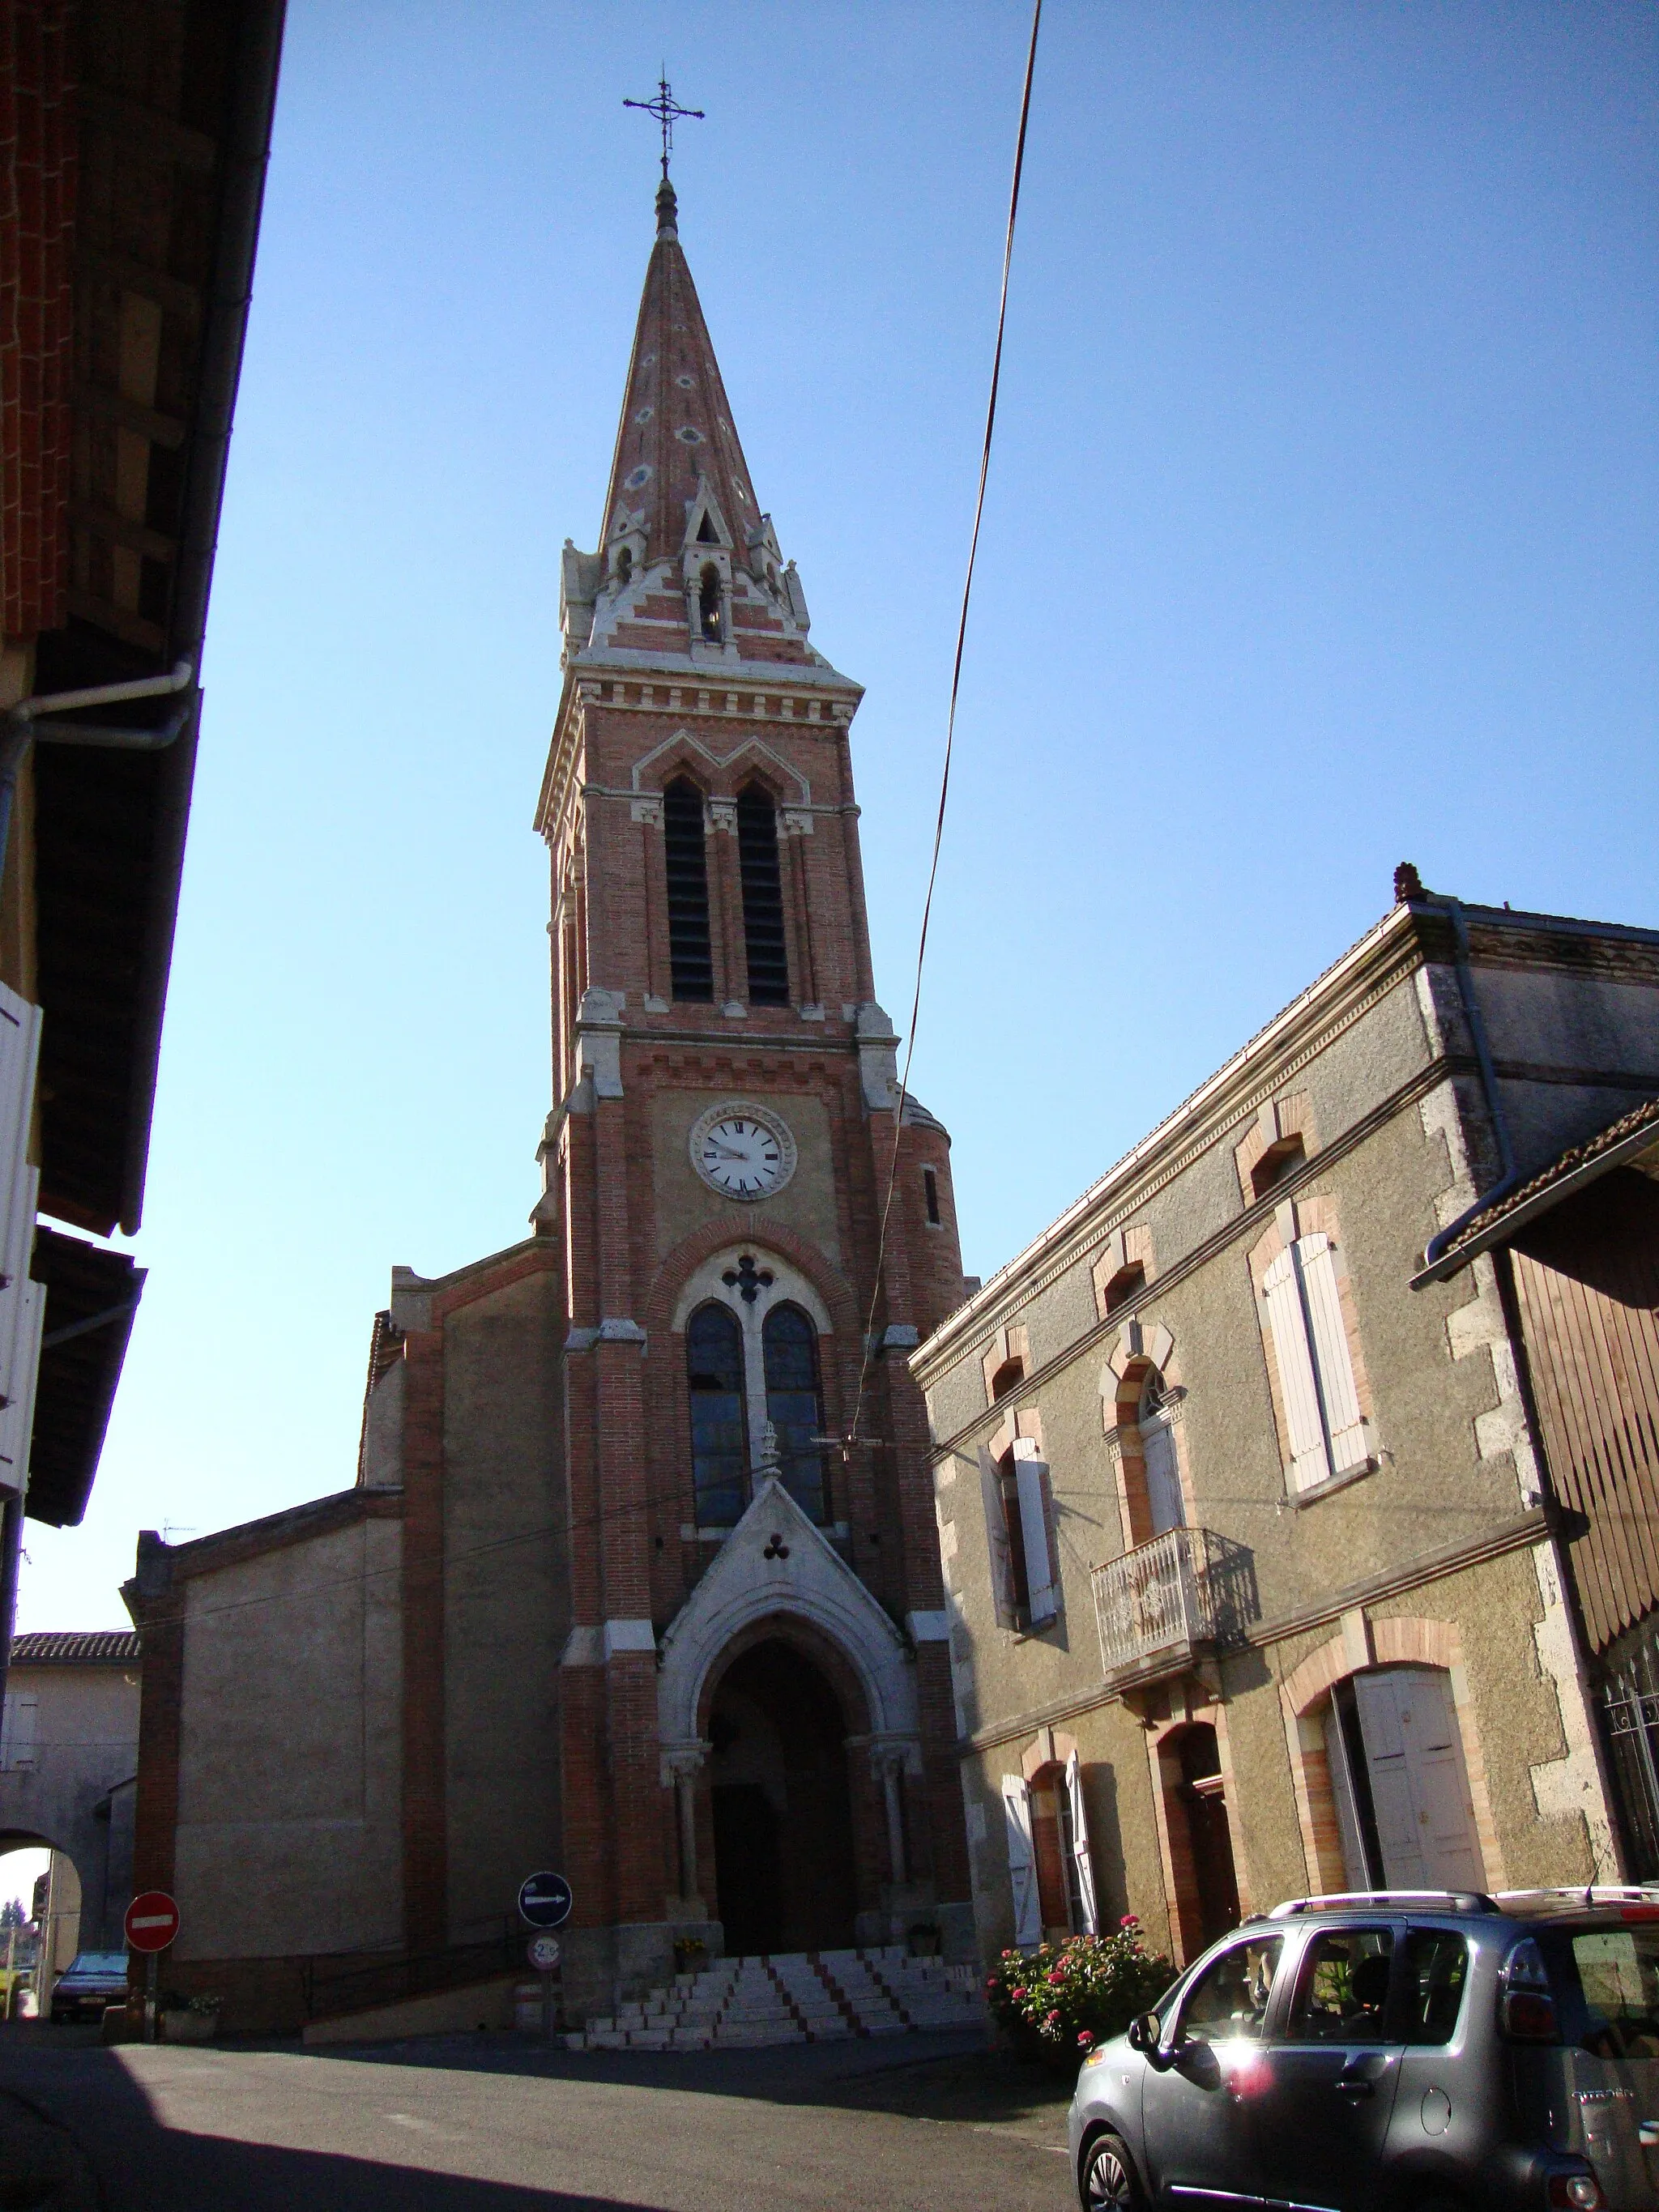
[1392,2052]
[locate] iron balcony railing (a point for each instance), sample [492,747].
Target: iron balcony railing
[1188,1587]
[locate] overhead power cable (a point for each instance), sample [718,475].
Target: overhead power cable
[950,719]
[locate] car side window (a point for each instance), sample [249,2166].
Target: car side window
[1229,1997]
[1433,1970]
[1342,1990]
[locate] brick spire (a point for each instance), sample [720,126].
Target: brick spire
[676,435]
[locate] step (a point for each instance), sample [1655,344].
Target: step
[753,2003]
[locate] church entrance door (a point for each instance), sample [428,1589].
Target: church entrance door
[783,1822]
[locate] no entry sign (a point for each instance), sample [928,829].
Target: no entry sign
[545,1900]
[152,1920]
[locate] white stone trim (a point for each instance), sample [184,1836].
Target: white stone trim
[812,1583]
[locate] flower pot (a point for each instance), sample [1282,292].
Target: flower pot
[189,2027]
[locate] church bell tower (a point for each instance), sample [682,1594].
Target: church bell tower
[754,1703]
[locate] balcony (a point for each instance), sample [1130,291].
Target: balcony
[1187,1594]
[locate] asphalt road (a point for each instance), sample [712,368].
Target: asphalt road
[487,2123]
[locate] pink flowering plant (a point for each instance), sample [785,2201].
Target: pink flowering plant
[1057,2001]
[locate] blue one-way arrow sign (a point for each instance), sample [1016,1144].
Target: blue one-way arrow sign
[545,1900]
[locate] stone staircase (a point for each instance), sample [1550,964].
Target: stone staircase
[794,1997]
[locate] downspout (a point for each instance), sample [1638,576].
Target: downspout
[22,730]
[1477,1028]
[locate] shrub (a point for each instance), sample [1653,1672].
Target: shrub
[1056,2002]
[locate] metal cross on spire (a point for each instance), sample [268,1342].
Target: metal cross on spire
[667,112]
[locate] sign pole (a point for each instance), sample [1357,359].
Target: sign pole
[152,1978]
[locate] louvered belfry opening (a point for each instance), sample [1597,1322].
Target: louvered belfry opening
[763,899]
[686,866]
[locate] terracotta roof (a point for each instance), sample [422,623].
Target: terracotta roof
[76,1647]
[1622,1142]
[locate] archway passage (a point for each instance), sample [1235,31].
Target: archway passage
[782,1808]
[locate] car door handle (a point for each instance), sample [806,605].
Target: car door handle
[1354,2085]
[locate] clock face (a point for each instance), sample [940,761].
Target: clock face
[743,1153]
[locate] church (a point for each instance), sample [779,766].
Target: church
[640,1579]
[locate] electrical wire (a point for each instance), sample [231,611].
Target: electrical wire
[950,719]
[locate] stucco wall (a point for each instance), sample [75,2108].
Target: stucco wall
[506,1595]
[289,1835]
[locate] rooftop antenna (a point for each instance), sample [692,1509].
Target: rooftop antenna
[668,112]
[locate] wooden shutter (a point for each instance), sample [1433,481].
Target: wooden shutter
[1081,1854]
[1354,1856]
[996,1541]
[1164,1498]
[1022,1860]
[1030,1474]
[1310,1462]
[1316,1263]
[28,1310]
[21,1712]
[1425,1819]
[20,1049]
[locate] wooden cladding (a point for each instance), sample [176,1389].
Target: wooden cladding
[1587,1279]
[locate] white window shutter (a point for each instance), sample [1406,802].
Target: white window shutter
[1022,1860]
[996,1541]
[1029,1474]
[20,1049]
[1315,1258]
[17,1748]
[29,1311]
[1310,1462]
[1164,1498]
[1081,1856]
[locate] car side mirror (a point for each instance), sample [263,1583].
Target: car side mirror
[1143,2036]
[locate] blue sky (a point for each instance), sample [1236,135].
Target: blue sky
[1320,535]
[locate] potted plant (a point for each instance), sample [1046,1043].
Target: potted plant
[690,1954]
[189,2019]
[1055,2003]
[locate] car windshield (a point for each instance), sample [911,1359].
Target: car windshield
[1617,1971]
[100,1962]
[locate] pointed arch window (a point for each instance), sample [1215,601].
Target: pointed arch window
[708,604]
[691,966]
[720,1418]
[794,1405]
[762,898]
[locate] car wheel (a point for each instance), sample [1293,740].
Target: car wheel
[1109,2180]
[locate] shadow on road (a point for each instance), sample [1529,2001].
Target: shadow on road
[141,2165]
[951,2075]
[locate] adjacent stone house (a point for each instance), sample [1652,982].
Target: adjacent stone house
[1254,1579]
[69,1762]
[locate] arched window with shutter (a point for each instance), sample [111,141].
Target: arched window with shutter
[794,1406]
[719,1422]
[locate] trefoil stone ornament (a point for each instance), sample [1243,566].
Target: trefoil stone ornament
[746,1280]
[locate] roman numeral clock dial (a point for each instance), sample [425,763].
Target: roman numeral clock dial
[743,1151]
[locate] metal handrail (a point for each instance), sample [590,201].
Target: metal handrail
[1184,1587]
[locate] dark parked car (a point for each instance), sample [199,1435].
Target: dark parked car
[95,1979]
[1392,2052]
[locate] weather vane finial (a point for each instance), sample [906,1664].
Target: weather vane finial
[667,112]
